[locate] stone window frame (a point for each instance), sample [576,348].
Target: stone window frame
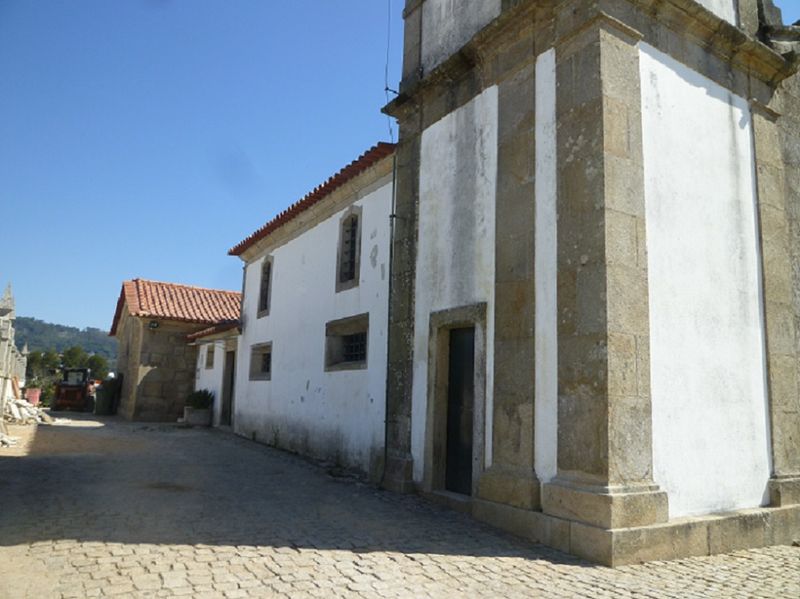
[335,333]
[265,287]
[347,216]
[210,356]
[257,351]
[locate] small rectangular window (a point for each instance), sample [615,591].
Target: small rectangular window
[346,343]
[209,356]
[261,362]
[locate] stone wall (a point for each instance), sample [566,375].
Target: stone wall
[166,372]
[157,367]
[129,334]
[12,360]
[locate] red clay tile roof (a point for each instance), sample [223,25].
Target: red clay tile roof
[171,301]
[367,159]
[213,330]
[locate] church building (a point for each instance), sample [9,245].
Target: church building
[568,301]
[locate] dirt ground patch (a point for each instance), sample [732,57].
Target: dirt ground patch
[69,434]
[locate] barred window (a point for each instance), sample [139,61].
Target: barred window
[349,249]
[347,268]
[210,356]
[354,347]
[346,343]
[264,291]
[261,362]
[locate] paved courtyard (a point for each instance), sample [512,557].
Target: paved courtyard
[98,507]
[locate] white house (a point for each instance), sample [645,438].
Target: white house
[216,367]
[311,372]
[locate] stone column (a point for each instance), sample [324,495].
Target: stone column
[779,316]
[511,478]
[604,410]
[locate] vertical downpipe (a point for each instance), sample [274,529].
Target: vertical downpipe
[392,217]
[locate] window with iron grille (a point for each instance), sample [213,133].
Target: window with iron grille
[261,362]
[349,249]
[265,288]
[354,347]
[209,356]
[346,343]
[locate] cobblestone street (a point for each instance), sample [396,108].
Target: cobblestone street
[105,508]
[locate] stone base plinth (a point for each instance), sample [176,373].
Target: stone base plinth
[511,487]
[605,507]
[784,491]
[679,538]
[398,476]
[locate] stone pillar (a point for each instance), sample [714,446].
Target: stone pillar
[604,410]
[511,478]
[781,333]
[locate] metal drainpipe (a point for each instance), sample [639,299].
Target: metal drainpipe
[392,217]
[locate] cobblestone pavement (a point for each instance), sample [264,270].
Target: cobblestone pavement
[132,510]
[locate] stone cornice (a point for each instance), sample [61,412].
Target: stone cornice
[727,41]
[686,17]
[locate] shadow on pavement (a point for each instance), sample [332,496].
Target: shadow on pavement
[158,484]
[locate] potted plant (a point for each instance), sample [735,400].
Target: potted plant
[197,411]
[33,391]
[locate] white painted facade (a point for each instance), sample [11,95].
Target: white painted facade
[725,9]
[546,269]
[449,24]
[211,378]
[710,411]
[455,256]
[336,415]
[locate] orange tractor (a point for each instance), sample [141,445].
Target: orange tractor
[75,391]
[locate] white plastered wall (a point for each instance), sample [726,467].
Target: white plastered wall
[455,252]
[334,415]
[211,378]
[449,24]
[546,269]
[725,9]
[710,418]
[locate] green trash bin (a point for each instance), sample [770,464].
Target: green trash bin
[103,400]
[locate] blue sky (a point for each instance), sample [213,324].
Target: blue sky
[791,10]
[143,138]
[146,137]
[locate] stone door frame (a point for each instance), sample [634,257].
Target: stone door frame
[435,451]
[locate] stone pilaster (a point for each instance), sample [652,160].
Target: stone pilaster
[398,470]
[511,478]
[604,409]
[779,310]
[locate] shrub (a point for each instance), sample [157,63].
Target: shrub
[202,399]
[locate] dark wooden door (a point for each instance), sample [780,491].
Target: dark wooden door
[226,413]
[460,404]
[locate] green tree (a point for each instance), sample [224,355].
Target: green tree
[51,361]
[75,357]
[98,365]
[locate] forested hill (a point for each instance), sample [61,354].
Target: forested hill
[41,336]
